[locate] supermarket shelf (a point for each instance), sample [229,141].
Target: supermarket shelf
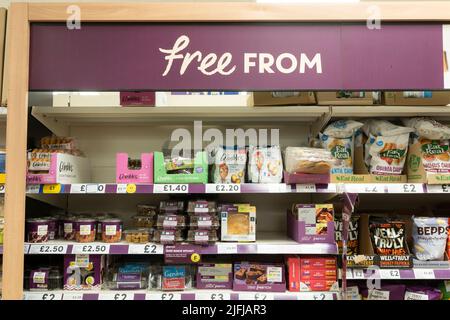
[58,119]
[267,243]
[185,295]
[399,274]
[441,112]
[247,188]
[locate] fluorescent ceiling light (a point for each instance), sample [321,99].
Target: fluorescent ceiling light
[308,1]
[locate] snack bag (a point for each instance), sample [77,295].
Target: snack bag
[265,164]
[387,154]
[388,237]
[353,231]
[341,149]
[384,128]
[435,154]
[428,128]
[229,164]
[430,237]
[342,128]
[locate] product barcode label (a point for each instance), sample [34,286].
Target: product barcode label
[364,188]
[170,188]
[33,188]
[424,274]
[306,188]
[226,248]
[256,296]
[358,274]
[73,296]
[116,296]
[121,188]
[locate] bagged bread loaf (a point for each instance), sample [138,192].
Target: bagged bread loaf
[308,160]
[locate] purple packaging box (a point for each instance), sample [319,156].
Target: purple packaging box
[140,98]
[83,271]
[259,277]
[299,178]
[39,279]
[215,276]
[297,230]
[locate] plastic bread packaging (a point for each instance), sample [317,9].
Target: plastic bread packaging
[171,207]
[428,128]
[265,164]
[58,143]
[169,236]
[342,128]
[308,160]
[376,127]
[430,237]
[229,164]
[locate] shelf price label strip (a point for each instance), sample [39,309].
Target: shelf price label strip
[399,274]
[47,249]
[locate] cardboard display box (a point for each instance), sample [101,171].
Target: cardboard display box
[416,98]
[416,171]
[283,98]
[367,257]
[346,98]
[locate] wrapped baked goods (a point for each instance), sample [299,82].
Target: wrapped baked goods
[308,160]
[202,237]
[265,164]
[139,235]
[169,236]
[430,237]
[238,222]
[205,221]
[229,164]
[342,128]
[171,207]
[166,221]
[428,128]
[201,207]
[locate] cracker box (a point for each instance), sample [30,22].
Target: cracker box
[238,223]
[311,223]
[174,278]
[83,271]
[283,98]
[416,98]
[346,98]
[215,276]
[259,277]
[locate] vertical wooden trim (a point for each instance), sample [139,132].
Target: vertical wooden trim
[16,144]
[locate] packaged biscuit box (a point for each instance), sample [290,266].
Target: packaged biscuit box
[238,223]
[259,277]
[229,164]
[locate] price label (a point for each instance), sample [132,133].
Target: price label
[170,188]
[226,248]
[390,274]
[26,248]
[96,188]
[212,296]
[364,188]
[76,296]
[165,296]
[121,188]
[256,296]
[320,296]
[42,296]
[223,188]
[33,188]
[330,188]
[405,188]
[358,274]
[116,296]
[90,248]
[349,274]
[424,274]
[145,249]
[48,249]
[78,188]
[438,188]
[2,188]
[306,188]
[51,188]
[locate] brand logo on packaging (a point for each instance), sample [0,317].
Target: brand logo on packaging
[434,149]
[65,167]
[393,154]
[340,152]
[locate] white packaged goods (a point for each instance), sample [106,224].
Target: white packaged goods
[428,128]
[265,164]
[86,99]
[430,237]
[203,99]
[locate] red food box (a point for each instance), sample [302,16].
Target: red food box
[319,274]
[319,285]
[318,263]
[293,264]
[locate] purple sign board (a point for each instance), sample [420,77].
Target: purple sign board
[236,57]
[182,254]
